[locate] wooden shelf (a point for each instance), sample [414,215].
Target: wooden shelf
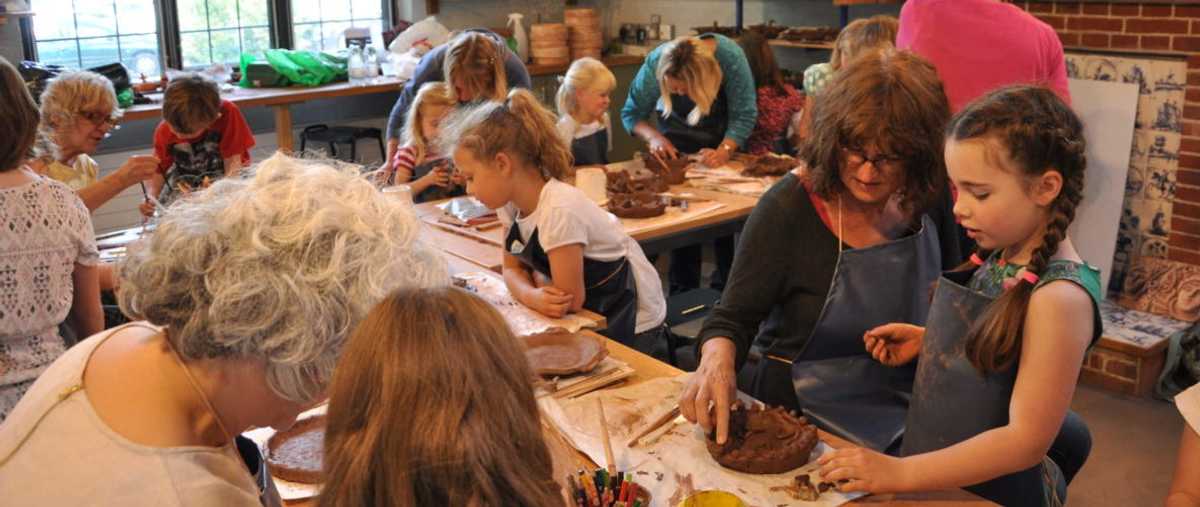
[797,44]
[14,14]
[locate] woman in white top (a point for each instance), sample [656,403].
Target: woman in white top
[563,253]
[248,291]
[48,254]
[1185,487]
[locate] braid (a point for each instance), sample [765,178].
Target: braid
[1040,134]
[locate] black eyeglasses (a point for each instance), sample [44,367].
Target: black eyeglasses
[856,158]
[100,119]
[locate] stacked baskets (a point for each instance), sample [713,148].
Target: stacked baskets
[583,28]
[548,44]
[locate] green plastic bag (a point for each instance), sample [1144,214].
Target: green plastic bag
[257,72]
[305,68]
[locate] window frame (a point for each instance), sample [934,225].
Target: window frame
[170,43]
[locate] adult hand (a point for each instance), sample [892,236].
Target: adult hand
[894,344]
[138,168]
[146,208]
[550,301]
[714,381]
[714,158]
[661,146]
[864,470]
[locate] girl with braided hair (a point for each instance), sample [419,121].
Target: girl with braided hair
[1006,332]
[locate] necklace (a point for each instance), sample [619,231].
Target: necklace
[196,386]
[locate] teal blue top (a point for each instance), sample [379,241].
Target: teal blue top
[737,82]
[989,280]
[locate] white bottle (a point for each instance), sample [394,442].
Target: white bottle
[514,23]
[355,66]
[372,58]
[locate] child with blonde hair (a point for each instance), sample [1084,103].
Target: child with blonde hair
[418,163]
[582,102]
[868,34]
[1006,333]
[563,253]
[432,404]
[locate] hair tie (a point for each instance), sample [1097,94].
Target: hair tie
[1023,275]
[976,260]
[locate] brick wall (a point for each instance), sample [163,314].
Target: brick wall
[1146,27]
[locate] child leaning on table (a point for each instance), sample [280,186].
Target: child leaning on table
[432,403]
[418,164]
[563,253]
[201,139]
[582,102]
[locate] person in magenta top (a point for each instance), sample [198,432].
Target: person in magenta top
[980,45]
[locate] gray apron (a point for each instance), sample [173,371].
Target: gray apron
[953,402]
[837,383]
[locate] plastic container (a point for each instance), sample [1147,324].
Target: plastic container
[514,22]
[372,60]
[356,66]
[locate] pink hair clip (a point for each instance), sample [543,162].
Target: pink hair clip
[1029,276]
[976,260]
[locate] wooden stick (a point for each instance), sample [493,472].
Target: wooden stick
[655,424]
[608,452]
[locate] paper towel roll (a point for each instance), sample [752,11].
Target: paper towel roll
[592,181]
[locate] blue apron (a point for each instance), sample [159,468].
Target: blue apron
[591,149]
[953,402]
[837,383]
[610,286]
[434,192]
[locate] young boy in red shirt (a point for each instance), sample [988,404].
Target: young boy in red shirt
[200,140]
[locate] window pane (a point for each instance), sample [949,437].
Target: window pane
[61,52]
[136,17]
[306,11]
[192,15]
[337,10]
[367,9]
[222,14]
[59,26]
[195,49]
[96,52]
[255,13]
[255,39]
[226,45]
[333,35]
[98,20]
[308,36]
[139,53]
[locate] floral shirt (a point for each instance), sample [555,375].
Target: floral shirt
[775,110]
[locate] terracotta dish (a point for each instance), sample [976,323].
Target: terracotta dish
[637,205]
[561,353]
[768,164]
[672,171]
[764,441]
[295,455]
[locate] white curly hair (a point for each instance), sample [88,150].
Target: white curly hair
[66,97]
[279,264]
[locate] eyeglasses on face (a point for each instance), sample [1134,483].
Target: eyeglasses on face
[100,119]
[856,157]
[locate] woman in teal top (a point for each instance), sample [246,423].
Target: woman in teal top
[701,92]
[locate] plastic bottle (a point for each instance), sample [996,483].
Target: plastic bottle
[372,58]
[355,66]
[514,23]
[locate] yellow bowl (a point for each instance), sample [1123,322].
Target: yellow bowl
[712,498]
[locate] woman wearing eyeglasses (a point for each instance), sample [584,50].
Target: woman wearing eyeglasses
[850,240]
[79,109]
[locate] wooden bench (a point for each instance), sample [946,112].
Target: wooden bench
[1129,357]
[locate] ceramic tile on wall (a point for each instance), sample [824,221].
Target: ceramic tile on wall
[1134,71]
[1160,183]
[1135,327]
[1163,287]
[1074,65]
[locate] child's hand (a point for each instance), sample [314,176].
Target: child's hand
[147,208]
[864,470]
[550,301]
[439,176]
[894,344]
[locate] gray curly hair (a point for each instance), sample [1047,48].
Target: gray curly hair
[280,265]
[67,96]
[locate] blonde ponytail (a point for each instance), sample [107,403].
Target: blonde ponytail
[520,126]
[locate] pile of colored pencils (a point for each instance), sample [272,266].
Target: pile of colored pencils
[602,489]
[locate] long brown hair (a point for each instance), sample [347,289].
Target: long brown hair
[1039,133]
[520,126]
[475,60]
[20,125]
[432,404]
[894,101]
[761,58]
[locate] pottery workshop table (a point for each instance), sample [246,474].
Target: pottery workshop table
[484,247]
[281,99]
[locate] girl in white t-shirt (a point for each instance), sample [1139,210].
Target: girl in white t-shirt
[1185,487]
[582,102]
[563,253]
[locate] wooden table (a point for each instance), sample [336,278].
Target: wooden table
[648,368]
[484,247]
[281,99]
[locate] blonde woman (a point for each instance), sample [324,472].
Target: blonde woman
[248,291]
[476,64]
[432,404]
[582,101]
[706,93]
[79,109]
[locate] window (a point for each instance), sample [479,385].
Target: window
[89,33]
[319,24]
[220,30]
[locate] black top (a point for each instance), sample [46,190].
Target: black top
[783,267]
